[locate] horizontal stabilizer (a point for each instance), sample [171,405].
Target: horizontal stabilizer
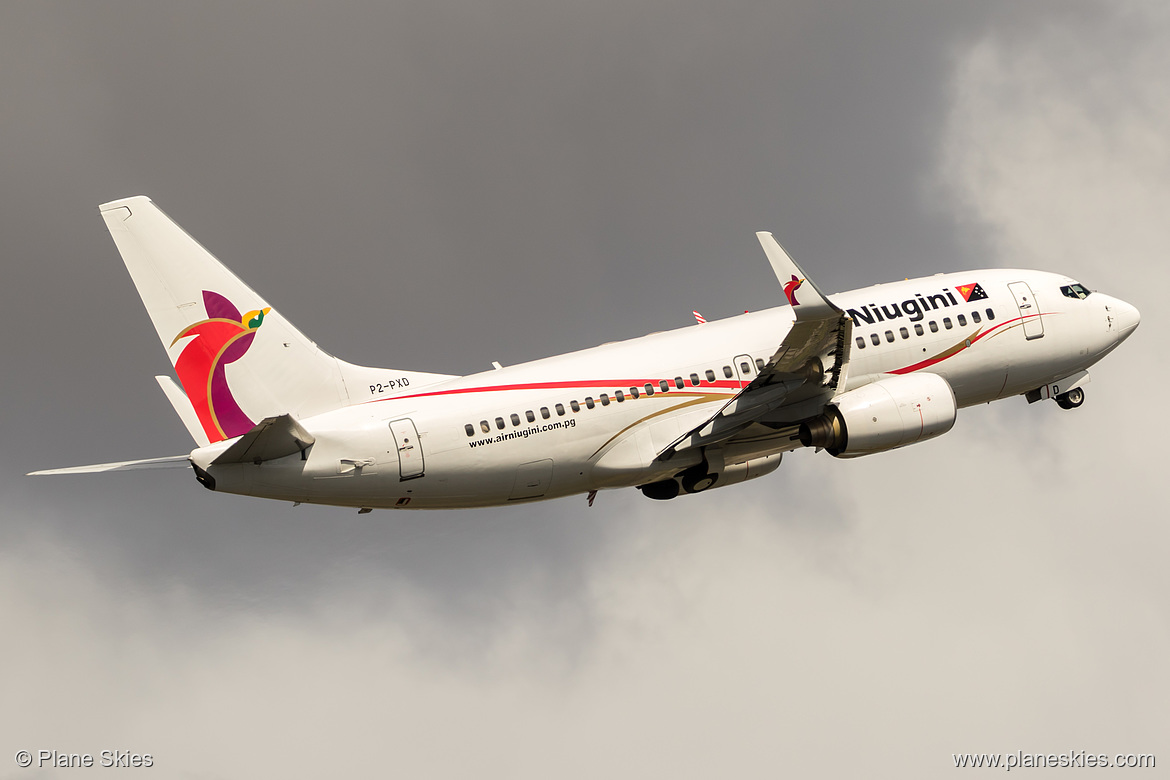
[173,461]
[272,438]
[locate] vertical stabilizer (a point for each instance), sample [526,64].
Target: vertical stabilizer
[238,360]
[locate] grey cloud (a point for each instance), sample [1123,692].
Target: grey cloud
[437,186]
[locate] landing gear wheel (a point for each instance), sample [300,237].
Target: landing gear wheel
[660,491]
[697,483]
[1072,399]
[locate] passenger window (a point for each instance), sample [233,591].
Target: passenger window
[875,338]
[918,329]
[890,336]
[933,326]
[576,406]
[664,385]
[544,413]
[604,399]
[633,392]
[694,380]
[759,364]
[649,389]
[962,319]
[947,323]
[560,410]
[727,372]
[529,416]
[500,423]
[710,375]
[470,429]
[990,314]
[484,426]
[619,395]
[905,333]
[975,317]
[515,419]
[588,402]
[678,382]
[745,368]
[860,342]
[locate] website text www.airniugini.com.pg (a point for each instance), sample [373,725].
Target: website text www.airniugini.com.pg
[523,433]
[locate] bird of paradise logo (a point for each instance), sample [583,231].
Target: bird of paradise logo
[790,289]
[220,339]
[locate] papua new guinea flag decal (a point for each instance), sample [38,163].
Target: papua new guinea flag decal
[971,292]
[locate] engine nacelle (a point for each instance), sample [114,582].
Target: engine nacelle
[889,413]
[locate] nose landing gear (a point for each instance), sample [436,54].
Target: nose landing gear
[1072,399]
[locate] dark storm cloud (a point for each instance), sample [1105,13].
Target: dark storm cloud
[529,150]
[433,186]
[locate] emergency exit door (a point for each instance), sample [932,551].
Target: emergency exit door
[745,369]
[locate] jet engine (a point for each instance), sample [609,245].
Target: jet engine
[881,416]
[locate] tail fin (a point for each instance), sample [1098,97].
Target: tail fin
[238,359]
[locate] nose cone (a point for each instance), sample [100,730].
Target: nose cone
[1126,318]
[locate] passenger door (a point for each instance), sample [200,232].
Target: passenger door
[1029,310]
[410,454]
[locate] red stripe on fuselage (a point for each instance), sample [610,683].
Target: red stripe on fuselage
[978,337]
[610,385]
[622,384]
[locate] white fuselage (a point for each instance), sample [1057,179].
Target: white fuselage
[556,426]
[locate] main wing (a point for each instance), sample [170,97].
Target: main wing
[809,365]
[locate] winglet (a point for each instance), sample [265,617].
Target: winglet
[803,295]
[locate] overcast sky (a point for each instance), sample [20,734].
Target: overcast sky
[436,185]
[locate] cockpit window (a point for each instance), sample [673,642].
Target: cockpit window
[1075,291]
